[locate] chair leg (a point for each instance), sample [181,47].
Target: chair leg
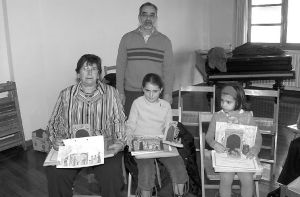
[124,170]
[129,185]
[257,188]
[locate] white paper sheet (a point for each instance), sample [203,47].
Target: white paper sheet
[79,152]
[222,163]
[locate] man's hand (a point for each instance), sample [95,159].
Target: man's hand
[168,98]
[117,147]
[122,98]
[57,142]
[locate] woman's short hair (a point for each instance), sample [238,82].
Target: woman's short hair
[89,59]
[153,79]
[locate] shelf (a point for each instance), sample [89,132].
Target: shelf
[11,128]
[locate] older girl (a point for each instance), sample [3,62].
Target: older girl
[148,116]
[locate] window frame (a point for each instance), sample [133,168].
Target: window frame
[283,24]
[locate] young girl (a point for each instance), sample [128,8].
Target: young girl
[233,103]
[148,116]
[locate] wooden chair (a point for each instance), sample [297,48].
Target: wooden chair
[209,90]
[209,178]
[267,124]
[109,75]
[186,117]
[109,69]
[176,113]
[190,117]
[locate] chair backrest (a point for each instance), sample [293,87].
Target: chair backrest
[109,75]
[176,113]
[109,69]
[266,93]
[211,90]
[194,94]
[267,125]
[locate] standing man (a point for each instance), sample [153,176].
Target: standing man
[142,51]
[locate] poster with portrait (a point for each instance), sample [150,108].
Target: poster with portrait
[238,139]
[235,136]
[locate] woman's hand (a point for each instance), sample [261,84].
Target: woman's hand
[57,142]
[219,148]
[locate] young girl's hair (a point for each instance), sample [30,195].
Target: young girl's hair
[154,79]
[239,97]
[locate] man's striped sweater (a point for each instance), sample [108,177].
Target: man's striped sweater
[136,58]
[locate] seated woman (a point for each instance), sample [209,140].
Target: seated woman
[148,116]
[98,105]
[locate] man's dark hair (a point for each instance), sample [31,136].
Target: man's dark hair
[89,59]
[148,4]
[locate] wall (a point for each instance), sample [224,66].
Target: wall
[47,38]
[221,21]
[4,65]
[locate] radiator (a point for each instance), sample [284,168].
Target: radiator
[289,83]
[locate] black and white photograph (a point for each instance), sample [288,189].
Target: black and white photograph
[118,68]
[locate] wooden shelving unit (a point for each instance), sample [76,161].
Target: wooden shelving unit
[11,128]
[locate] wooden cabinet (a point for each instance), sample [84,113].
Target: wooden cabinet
[11,128]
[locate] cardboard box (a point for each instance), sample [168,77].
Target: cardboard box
[40,141]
